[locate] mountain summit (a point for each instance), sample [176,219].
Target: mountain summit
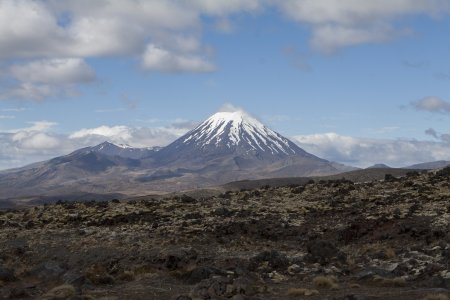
[238,131]
[234,141]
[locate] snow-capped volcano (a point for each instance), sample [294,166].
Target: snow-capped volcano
[229,136]
[234,129]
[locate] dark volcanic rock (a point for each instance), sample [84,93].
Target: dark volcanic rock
[48,270]
[200,273]
[176,258]
[7,274]
[379,239]
[323,251]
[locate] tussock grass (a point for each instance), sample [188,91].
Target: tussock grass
[328,282]
[297,292]
[390,253]
[437,297]
[390,282]
[64,291]
[126,276]
[143,269]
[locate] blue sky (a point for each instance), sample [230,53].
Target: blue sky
[341,78]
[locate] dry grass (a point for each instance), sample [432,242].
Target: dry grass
[390,253]
[126,276]
[64,291]
[328,282]
[98,275]
[143,269]
[296,292]
[437,297]
[390,282]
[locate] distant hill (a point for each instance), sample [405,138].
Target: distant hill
[379,166]
[430,165]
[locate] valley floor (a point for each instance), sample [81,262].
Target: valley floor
[331,239]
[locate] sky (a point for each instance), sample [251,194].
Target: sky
[357,82]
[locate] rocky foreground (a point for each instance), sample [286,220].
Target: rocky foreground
[336,239]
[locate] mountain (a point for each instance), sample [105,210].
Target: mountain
[235,145]
[235,134]
[430,165]
[379,166]
[121,150]
[228,146]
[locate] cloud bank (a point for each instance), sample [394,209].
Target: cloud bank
[58,37]
[40,142]
[364,152]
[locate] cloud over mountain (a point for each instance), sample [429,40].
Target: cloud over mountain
[364,152]
[40,141]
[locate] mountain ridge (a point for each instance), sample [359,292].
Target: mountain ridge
[226,147]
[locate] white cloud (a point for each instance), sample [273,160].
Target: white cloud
[30,144]
[159,59]
[28,29]
[228,107]
[166,36]
[84,28]
[93,28]
[40,79]
[121,132]
[364,152]
[27,90]
[6,117]
[342,23]
[328,38]
[39,141]
[354,12]
[136,137]
[35,137]
[35,140]
[432,104]
[54,71]
[54,37]
[39,126]
[224,7]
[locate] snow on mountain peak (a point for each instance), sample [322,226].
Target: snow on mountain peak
[233,128]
